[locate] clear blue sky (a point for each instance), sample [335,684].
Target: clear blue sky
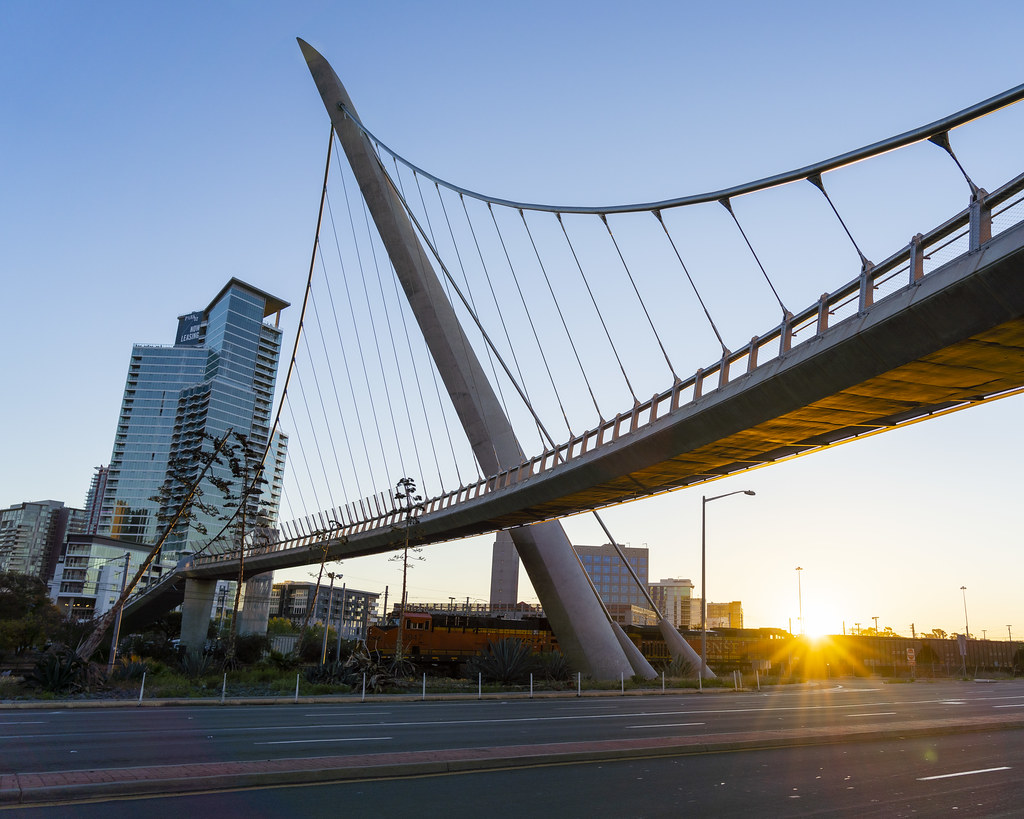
[150,151]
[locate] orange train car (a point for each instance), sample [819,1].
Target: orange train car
[448,640]
[443,640]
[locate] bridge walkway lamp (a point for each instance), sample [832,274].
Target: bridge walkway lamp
[704,501]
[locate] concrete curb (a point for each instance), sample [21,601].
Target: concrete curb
[71,786]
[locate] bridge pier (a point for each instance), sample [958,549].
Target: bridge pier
[195,612]
[255,611]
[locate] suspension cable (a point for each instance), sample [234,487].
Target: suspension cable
[728,206]
[344,355]
[561,316]
[600,315]
[529,316]
[640,298]
[696,292]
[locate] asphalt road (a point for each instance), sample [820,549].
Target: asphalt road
[975,774]
[47,740]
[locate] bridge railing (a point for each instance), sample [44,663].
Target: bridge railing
[987,215]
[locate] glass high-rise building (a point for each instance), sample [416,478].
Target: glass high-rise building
[218,376]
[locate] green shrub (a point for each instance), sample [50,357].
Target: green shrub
[250,648]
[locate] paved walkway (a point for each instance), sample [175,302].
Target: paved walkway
[70,786]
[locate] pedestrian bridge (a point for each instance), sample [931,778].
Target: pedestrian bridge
[904,340]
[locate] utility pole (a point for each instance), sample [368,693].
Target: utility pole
[875,618]
[800,597]
[327,620]
[341,623]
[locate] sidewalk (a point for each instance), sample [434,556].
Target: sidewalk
[70,786]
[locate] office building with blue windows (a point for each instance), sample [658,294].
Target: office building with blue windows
[217,377]
[622,595]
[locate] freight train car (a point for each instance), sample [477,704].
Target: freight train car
[445,641]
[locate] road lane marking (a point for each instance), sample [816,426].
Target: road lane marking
[306,741]
[361,713]
[1015,705]
[35,722]
[876,714]
[963,773]
[669,725]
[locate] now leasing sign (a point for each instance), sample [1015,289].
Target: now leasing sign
[188,330]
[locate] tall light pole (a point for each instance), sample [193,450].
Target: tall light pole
[967,628]
[1009,634]
[800,598]
[704,501]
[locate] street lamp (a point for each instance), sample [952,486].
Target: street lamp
[800,598]
[967,628]
[704,501]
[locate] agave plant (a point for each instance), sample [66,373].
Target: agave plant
[58,670]
[194,664]
[680,667]
[555,666]
[379,674]
[328,674]
[129,668]
[506,661]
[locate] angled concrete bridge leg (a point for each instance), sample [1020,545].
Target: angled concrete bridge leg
[573,609]
[195,612]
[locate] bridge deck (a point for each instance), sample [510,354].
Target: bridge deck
[953,338]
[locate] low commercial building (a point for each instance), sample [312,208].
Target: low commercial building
[353,609]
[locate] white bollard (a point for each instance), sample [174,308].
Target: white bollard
[579,684]
[622,683]
[142,687]
[364,688]
[757,678]
[224,688]
[662,682]
[296,687]
[531,685]
[424,685]
[479,685]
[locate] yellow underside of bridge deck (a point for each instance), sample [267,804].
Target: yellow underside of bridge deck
[979,368]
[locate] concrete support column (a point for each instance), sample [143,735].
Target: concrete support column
[195,612]
[255,610]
